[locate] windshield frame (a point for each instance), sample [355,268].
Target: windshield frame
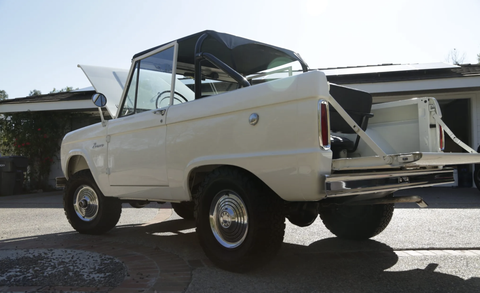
[133,70]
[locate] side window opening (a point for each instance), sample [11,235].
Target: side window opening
[151,84]
[154,79]
[211,87]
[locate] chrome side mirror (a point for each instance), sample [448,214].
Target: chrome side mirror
[99,100]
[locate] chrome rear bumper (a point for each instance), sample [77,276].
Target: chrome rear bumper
[363,183]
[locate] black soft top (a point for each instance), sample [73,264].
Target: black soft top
[243,55]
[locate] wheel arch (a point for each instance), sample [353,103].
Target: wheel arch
[77,161]
[197,175]
[75,164]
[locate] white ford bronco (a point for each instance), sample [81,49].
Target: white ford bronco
[206,123]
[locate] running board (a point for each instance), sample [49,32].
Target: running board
[345,184]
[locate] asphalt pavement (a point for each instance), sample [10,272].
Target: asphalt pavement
[435,249]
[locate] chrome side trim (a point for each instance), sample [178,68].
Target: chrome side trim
[352,184]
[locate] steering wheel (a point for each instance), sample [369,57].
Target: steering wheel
[159,100]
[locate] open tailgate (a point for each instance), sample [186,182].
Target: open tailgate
[417,159]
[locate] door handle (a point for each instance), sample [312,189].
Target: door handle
[160,111]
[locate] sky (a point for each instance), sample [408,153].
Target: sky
[42,41]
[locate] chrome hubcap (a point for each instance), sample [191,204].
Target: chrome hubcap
[228,219]
[85,203]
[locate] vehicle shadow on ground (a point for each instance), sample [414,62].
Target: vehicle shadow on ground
[327,265]
[333,265]
[336,265]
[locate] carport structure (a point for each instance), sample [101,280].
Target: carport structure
[78,101]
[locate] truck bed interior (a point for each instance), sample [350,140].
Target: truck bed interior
[358,105]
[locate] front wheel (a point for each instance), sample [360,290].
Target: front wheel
[357,222]
[86,208]
[240,221]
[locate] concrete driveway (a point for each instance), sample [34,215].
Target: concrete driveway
[153,250]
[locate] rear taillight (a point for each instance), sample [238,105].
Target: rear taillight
[323,124]
[441,137]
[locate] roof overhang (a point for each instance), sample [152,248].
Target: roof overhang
[47,106]
[461,83]
[65,101]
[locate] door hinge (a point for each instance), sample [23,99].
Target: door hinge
[107,171]
[108,138]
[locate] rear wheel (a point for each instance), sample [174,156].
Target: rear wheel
[86,208]
[357,222]
[240,221]
[476,176]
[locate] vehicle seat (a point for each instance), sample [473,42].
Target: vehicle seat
[358,105]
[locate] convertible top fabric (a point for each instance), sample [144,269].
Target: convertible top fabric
[243,55]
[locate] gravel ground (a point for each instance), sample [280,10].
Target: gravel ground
[59,267]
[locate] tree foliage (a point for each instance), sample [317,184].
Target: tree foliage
[34,93]
[54,91]
[65,89]
[37,136]
[455,57]
[3,95]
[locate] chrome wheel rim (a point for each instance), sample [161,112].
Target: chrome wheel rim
[85,203]
[228,219]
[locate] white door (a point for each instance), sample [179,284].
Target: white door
[136,139]
[136,150]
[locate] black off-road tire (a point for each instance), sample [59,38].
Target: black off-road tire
[185,210]
[476,173]
[251,237]
[357,222]
[476,176]
[86,208]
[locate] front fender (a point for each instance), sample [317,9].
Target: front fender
[78,159]
[89,144]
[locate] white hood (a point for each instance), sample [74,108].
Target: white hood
[108,81]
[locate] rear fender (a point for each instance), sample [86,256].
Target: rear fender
[293,175]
